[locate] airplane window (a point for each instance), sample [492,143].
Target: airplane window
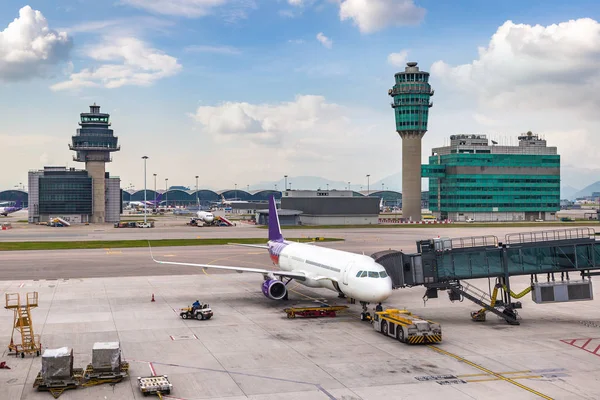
[373,274]
[358,274]
[364,274]
[383,274]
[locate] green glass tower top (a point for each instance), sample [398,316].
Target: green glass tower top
[411,104]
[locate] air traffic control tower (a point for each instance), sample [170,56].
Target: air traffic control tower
[411,104]
[93,143]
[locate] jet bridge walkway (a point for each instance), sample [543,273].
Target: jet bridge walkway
[558,256]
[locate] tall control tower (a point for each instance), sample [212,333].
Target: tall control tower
[93,143]
[411,104]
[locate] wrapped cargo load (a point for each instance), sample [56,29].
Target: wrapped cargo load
[106,356]
[57,364]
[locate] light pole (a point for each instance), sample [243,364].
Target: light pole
[290,185]
[197,200]
[328,187]
[275,187]
[368,184]
[285,177]
[248,188]
[235,190]
[145,158]
[382,187]
[349,185]
[167,192]
[155,205]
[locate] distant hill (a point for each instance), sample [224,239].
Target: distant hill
[588,190]
[568,192]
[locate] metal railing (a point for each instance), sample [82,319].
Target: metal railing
[545,236]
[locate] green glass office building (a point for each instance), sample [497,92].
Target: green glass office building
[474,180]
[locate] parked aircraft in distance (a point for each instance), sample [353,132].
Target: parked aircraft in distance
[350,275]
[205,217]
[11,209]
[149,203]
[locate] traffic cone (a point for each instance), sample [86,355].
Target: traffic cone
[152,297]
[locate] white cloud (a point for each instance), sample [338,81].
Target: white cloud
[373,15]
[29,48]
[296,41]
[531,77]
[324,40]
[231,10]
[125,61]
[302,135]
[533,67]
[398,59]
[129,26]
[228,50]
[296,3]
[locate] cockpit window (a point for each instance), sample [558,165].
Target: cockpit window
[364,274]
[373,274]
[358,274]
[383,274]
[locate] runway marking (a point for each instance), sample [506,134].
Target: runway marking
[152,370]
[583,343]
[22,284]
[489,372]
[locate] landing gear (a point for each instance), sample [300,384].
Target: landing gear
[365,315]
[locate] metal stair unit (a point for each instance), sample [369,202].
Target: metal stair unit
[478,296]
[30,343]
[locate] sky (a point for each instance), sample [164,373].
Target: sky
[246,91]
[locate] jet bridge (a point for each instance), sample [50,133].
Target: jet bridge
[557,255]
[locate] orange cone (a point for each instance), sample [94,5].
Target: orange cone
[152,297]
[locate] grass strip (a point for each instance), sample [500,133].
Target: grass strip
[120,244]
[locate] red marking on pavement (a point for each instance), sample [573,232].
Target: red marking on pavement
[197,338]
[152,369]
[572,342]
[172,338]
[21,285]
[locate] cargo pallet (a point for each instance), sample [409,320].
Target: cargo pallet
[96,377]
[314,312]
[57,387]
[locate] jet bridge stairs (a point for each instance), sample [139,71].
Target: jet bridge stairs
[559,262]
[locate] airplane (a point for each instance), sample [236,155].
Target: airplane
[351,275]
[205,217]
[229,202]
[11,209]
[149,203]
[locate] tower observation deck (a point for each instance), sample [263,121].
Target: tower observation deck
[93,144]
[411,95]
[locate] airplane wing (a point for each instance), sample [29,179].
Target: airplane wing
[257,246]
[287,274]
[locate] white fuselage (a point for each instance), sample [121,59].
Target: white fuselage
[205,217]
[357,276]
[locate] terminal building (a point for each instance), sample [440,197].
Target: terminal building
[474,180]
[325,207]
[80,196]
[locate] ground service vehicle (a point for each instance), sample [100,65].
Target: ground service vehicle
[204,312]
[407,327]
[154,385]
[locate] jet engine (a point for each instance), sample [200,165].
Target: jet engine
[274,289]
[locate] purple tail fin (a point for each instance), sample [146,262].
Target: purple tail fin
[158,198]
[19,204]
[274,228]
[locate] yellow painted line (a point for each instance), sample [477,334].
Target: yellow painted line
[514,377]
[501,373]
[487,371]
